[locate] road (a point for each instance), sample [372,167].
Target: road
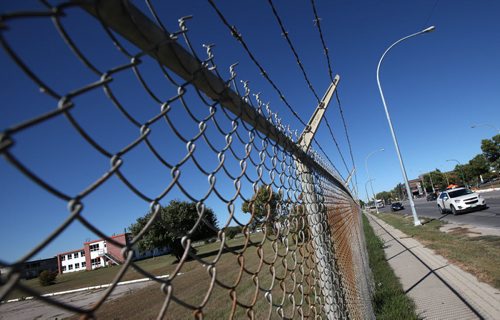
[36,309]
[487,218]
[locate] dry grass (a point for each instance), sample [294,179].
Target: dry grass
[194,282]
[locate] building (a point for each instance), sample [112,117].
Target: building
[72,261]
[101,253]
[32,269]
[416,187]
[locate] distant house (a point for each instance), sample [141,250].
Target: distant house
[31,269]
[101,253]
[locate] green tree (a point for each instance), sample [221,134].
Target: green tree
[263,206]
[478,166]
[491,151]
[384,195]
[399,192]
[231,232]
[172,223]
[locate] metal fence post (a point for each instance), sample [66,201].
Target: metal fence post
[315,212]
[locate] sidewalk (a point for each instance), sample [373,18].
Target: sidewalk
[439,289]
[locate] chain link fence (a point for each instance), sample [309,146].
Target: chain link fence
[300,253]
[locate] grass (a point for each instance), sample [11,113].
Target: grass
[194,282]
[477,255]
[193,285]
[389,299]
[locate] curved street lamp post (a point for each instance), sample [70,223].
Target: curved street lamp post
[366,190]
[371,185]
[486,125]
[416,221]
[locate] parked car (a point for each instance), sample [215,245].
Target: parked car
[459,200]
[396,206]
[431,197]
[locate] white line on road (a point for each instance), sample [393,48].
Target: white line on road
[102,286]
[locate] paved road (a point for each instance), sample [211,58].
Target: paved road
[36,309]
[489,218]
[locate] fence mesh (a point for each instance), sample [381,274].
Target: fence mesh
[300,249]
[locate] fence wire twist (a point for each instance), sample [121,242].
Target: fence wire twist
[309,261]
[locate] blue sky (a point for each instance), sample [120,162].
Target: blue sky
[436,86]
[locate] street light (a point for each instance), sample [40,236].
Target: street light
[432,183]
[366,166]
[366,190]
[461,170]
[416,221]
[422,180]
[486,125]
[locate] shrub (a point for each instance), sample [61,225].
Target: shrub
[47,277]
[231,232]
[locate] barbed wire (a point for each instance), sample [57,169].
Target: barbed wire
[315,210]
[239,37]
[317,22]
[299,62]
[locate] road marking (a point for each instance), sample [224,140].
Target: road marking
[102,286]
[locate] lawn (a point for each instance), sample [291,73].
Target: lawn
[477,255]
[389,299]
[277,271]
[193,285]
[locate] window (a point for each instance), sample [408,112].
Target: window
[77,266]
[459,193]
[64,268]
[63,257]
[96,262]
[70,256]
[94,247]
[75,255]
[84,264]
[82,253]
[70,267]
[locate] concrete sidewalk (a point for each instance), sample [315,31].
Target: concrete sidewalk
[439,289]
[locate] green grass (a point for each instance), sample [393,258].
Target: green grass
[477,255]
[389,299]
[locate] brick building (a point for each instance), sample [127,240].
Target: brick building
[101,253]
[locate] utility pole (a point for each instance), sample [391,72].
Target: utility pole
[432,183]
[316,217]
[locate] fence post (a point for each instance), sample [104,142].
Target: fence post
[316,213]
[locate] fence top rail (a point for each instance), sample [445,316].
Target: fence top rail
[127,20]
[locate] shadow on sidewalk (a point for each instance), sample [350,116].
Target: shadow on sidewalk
[432,271]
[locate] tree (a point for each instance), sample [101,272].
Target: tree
[231,232]
[478,166]
[399,192]
[172,223]
[384,195]
[491,151]
[263,206]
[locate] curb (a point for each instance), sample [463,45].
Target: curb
[102,286]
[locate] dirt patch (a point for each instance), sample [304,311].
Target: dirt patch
[463,231]
[468,230]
